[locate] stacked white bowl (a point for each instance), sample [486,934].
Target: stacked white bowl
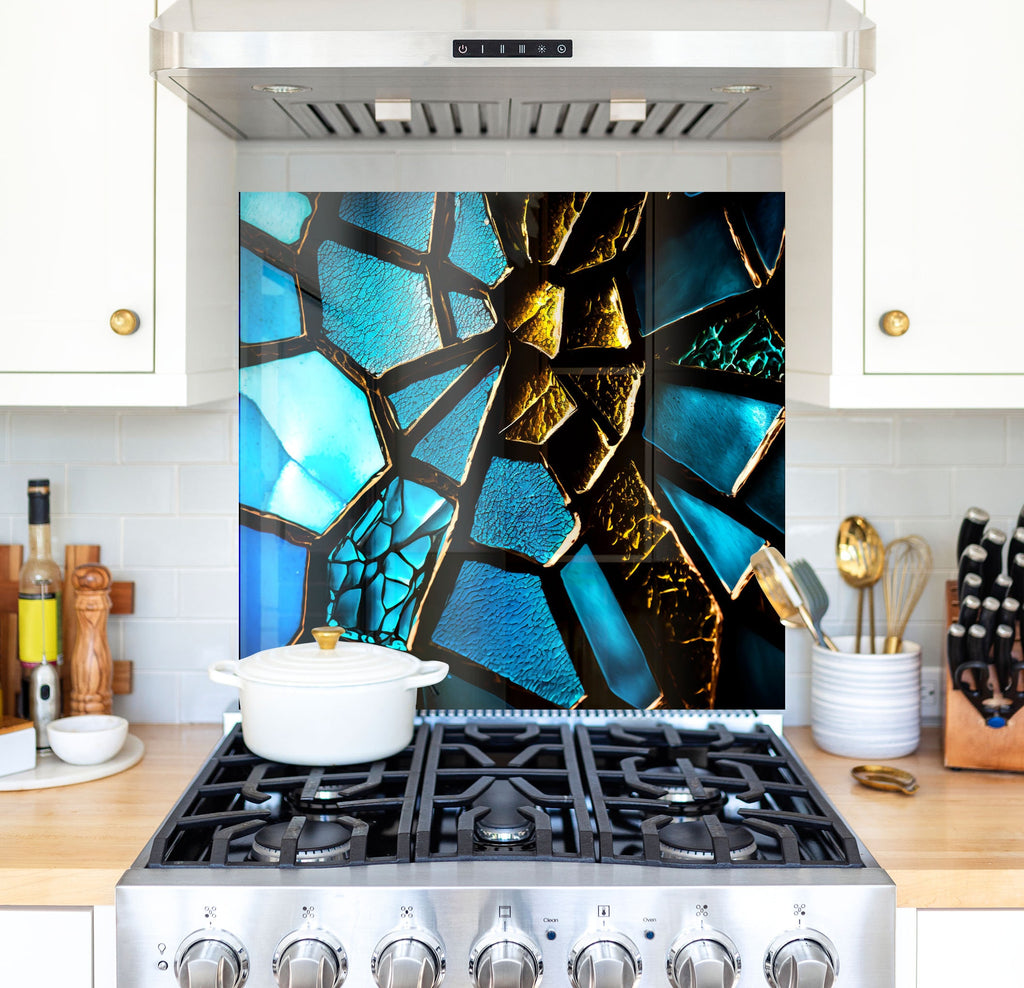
[863,705]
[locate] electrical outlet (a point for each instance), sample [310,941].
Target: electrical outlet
[931,704]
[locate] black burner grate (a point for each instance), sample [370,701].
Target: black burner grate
[613,792]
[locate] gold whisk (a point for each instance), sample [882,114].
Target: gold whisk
[908,563]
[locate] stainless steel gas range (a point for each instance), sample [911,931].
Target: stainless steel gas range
[592,851]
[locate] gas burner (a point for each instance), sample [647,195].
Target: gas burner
[691,841]
[319,842]
[682,801]
[503,823]
[326,803]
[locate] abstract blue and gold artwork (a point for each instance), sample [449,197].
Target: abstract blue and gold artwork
[537,435]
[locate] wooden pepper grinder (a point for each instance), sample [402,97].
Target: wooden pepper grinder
[92,670]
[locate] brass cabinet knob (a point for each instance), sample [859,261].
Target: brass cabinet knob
[124,322]
[895,323]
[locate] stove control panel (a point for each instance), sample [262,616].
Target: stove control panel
[505,960]
[801,959]
[708,961]
[604,960]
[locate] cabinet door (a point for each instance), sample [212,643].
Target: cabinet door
[46,948]
[76,186]
[955,947]
[944,214]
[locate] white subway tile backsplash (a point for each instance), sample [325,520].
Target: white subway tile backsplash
[338,171]
[203,701]
[209,593]
[812,492]
[667,172]
[813,540]
[205,490]
[1015,439]
[72,437]
[1000,491]
[159,645]
[181,541]
[154,698]
[121,489]
[815,439]
[952,440]
[14,478]
[156,592]
[896,493]
[188,437]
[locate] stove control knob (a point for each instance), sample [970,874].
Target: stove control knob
[505,963]
[409,959]
[211,959]
[801,959]
[310,959]
[605,960]
[709,960]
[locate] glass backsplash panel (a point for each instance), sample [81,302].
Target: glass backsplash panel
[536,435]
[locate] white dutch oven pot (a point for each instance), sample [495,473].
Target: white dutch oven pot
[315,704]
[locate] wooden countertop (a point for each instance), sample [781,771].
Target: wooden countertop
[957,843]
[69,845]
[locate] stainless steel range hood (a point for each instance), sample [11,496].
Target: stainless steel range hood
[592,69]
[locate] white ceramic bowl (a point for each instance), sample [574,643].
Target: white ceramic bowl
[88,739]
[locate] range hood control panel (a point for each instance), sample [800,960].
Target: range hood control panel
[512,48]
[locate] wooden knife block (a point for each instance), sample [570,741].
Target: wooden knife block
[122,595]
[968,742]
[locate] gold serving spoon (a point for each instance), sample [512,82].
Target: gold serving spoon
[783,593]
[860,558]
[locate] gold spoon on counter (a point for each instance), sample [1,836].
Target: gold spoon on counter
[860,558]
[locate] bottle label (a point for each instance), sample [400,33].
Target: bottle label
[38,629]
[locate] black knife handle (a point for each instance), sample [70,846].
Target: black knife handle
[970,608]
[988,619]
[977,644]
[972,560]
[1011,691]
[993,542]
[1017,576]
[956,650]
[1002,659]
[982,689]
[1000,587]
[973,524]
[1009,612]
[1016,545]
[971,587]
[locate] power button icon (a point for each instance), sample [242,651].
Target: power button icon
[463,49]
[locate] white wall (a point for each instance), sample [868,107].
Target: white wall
[158,489]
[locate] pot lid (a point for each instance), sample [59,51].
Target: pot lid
[328,662]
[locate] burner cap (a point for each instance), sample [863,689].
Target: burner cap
[318,841]
[502,823]
[691,841]
[684,803]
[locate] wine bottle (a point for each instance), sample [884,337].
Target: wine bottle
[39,591]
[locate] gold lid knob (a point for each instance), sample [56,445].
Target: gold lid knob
[327,638]
[124,322]
[895,323]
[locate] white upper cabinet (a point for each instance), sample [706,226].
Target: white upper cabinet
[907,198]
[94,192]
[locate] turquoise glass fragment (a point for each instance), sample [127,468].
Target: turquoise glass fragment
[271,586]
[268,299]
[694,263]
[712,433]
[403,216]
[376,574]
[765,492]
[740,346]
[501,620]
[323,423]
[615,647]
[412,401]
[472,315]
[765,216]
[520,508]
[281,214]
[475,247]
[449,445]
[379,313]
[727,543]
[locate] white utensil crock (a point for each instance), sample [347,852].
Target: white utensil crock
[313,705]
